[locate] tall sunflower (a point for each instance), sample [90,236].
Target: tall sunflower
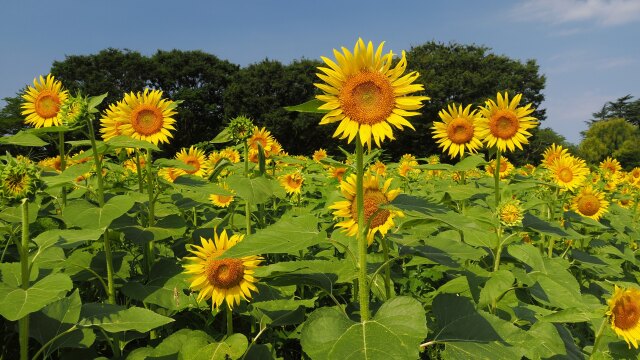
[366,94]
[590,203]
[568,172]
[223,280]
[196,158]
[43,101]
[624,310]
[147,116]
[379,220]
[456,132]
[504,124]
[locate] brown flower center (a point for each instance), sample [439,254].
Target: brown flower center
[504,124]
[372,201]
[460,131]
[626,313]
[192,162]
[147,119]
[367,98]
[565,175]
[224,273]
[47,104]
[588,205]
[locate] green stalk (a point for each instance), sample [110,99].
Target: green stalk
[150,251]
[111,293]
[63,165]
[496,176]
[229,322]
[363,285]
[23,324]
[498,250]
[387,267]
[139,171]
[596,342]
[247,205]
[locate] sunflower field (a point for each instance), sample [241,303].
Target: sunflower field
[242,251]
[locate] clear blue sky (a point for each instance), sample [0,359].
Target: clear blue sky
[588,49]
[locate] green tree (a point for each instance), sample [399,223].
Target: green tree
[464,74]
[624,107]
[540,140]
[613,137]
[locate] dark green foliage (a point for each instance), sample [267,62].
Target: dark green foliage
[623,107]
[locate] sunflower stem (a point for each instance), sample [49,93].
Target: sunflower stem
[498,250]
[596,342]
[229,321]
[23,323]
[63,166]
[139,171]
[387,267]
[363,285]
[150,253]
[247,205]
[496,176]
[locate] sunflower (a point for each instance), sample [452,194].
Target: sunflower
[590,203]
[634,174]
[366,94]
[337,172]
[506,167]
[624,310]
[262,137]
[223,280]
[504,124]
[553,152]
[52,163]
[170,174]
[292,183]
[456,131]
[132,165]
[222,200]
[230,154]
[379,220]
[379,168]
[319,155]
[111,122]
[610,165]
[511,213]
[43,101]
[568,172]
[194,157]
[18,179]
[147,116]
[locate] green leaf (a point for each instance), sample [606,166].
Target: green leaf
[23,139]
[87,216]
[395,332]
[113,318]
[94,101]
[65,238]
[174,163]
[197,184]
[287,236]
[469,162]
[183,344]
[500,282]
[223,137]
[257,190]
[15,303]
[123,141]
[310,106]
[57,318]
[441,249]
[571,315]
[542,226]
[281,312]
[232,347]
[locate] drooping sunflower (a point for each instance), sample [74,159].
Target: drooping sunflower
[456,132]
[222,200]
[590,203]
[505,125]
[43,101]
[222,280]
[319,155]
[196,158]
[568,172]
[292,183]
[610,165]
[366,94]
[553,152]
[147,116]
[624,312]
[379,220]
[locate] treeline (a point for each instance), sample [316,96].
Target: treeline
[213,90]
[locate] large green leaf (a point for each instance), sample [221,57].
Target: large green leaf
[15,303]
[57,318]
[257,190]
[113,318]
[281,312]
[395,332]
[85,215]
[23,139]
[310,106]
[500,282]
[184,344]
[287,236]
[123,141]
[65,238]
[444,248]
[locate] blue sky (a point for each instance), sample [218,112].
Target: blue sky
[588,49]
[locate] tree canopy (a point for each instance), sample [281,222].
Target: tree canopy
[215,90]
[624,107]
[613,137]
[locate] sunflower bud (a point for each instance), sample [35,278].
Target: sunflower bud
[19,179]
[240,128]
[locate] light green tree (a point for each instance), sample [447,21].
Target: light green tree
[613,137]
